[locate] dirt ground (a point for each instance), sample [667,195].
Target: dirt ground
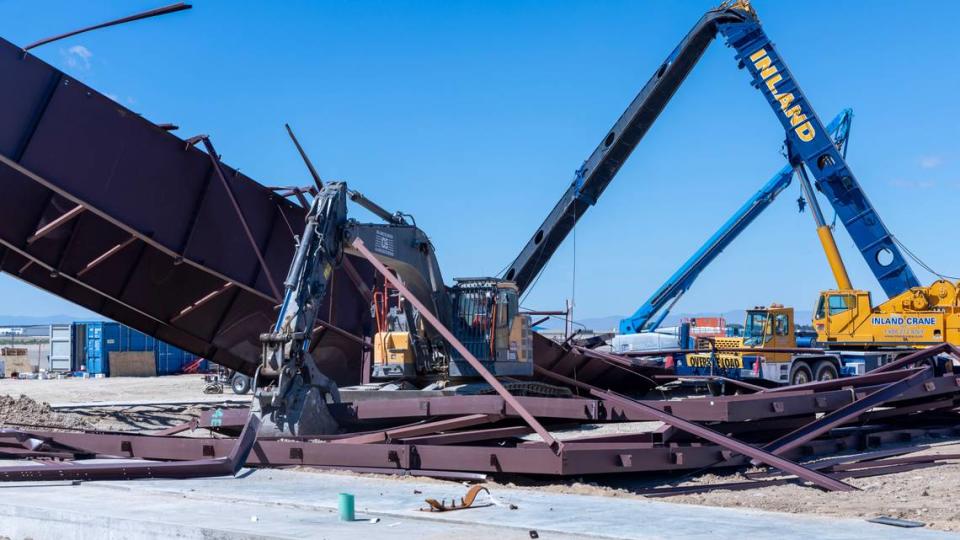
[45,403]
[63,391]
[924,495]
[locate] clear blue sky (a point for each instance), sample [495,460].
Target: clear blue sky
[473,117]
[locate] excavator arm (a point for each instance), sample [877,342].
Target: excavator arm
[295,402]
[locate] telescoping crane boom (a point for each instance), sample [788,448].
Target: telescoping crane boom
[808,143]
[652,312]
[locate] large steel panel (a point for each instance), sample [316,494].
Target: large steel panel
[157,246]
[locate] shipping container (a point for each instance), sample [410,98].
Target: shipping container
[95,340]
[60,347]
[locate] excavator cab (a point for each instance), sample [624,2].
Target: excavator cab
[487,320]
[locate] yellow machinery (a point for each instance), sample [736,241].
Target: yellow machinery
[846,321]
[920,316]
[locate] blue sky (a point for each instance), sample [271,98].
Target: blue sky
[473,116]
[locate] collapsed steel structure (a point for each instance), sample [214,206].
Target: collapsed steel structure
[469,437]
[116,214]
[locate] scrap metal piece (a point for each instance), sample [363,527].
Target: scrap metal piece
[785,465]
[465,502]
[887,520]
[179,6]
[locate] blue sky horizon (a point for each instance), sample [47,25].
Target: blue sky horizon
[473,117]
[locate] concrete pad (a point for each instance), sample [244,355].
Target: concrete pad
[289,504]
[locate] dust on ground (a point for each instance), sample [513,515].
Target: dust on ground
[46,403]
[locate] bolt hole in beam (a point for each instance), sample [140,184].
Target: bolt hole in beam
[825,161]
[609,140]
[884,257]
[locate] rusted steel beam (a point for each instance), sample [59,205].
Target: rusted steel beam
[450,424]
[470,436]
[922,354]
[556,445]
[362,287]
[869,379]
[324,325]
[727,380]
[561,379]
[218,169]
[179,6]
[56,223]
[847,413]
[105,255]
[228,465]
[732,444]
[201,301]
[423,407]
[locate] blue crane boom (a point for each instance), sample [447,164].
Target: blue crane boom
[652,312]
[808,144]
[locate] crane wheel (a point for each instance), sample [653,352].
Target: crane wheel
[800,373]
[825,371]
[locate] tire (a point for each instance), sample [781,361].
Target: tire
[240,384]
[800,373]
[825,370]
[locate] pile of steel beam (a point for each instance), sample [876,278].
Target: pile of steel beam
[471,436]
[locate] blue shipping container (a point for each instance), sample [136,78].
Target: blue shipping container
[100,338]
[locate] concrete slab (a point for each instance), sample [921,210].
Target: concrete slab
[290,504]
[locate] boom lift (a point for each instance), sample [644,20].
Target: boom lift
[652,312]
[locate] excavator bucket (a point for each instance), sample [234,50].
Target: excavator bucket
[106,209]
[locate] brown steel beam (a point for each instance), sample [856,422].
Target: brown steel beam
[555,445]
[922,354]
[106,255]
[179,6]
[228,465]
[846,414]
[449,424]
[763,456]
[56,223]
[201,301]
[146,238]
[476,435]
[215,159]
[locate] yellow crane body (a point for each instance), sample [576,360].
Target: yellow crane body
[918,317]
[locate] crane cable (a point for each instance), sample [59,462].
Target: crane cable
[919,261]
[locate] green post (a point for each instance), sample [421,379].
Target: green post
[346,507]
